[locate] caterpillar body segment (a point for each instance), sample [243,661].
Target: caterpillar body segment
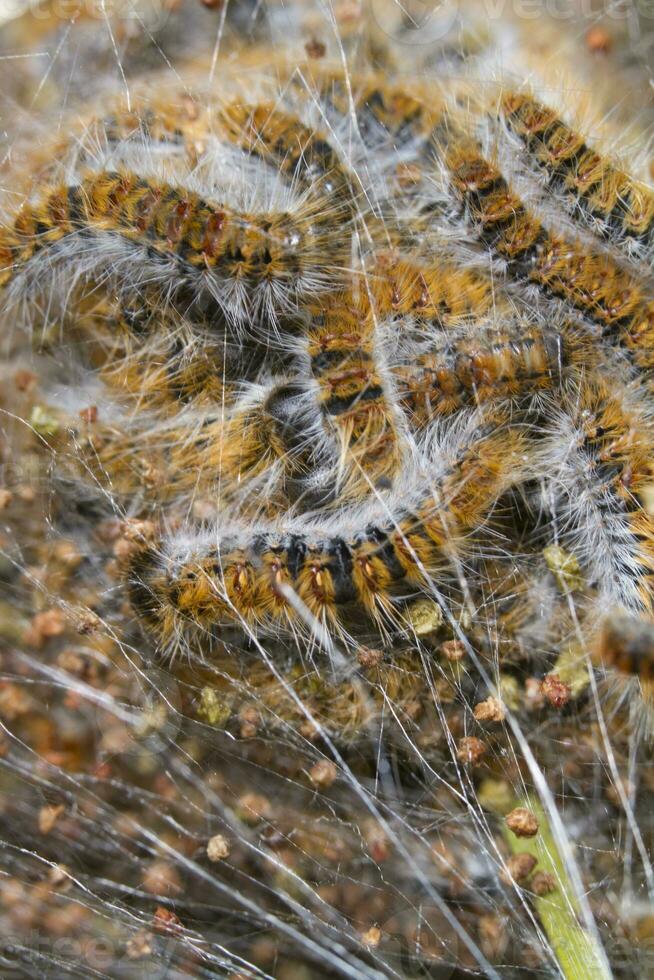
[261,448]
[597,463]
[440,290]
[626,643]
[169,426]
[303,155]
[170,128]
[274,440]
[457,369]
[268,447]
[520,610]
[618,207]
[344,709]
[353,392]
[623,646]
[171,376]
[504,224]
[386,112]
[588,280]
[176,126]
[192,455]
[157,357]
[273,577]
[402,116]
[246,263]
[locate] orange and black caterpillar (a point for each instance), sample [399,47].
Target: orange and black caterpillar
[352,392]
[354,387]
[302,154]
[621,208]
[164,123]
[467,367]
[254,449]
[401,115]
[626,644]
[271,436]
[399,284]
[171,375]
[244,262]
[157,357]
[597,464]
[273,431]
[305,702]
[590,281]
[294,576]
[386,112]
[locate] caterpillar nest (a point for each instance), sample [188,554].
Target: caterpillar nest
[327,493]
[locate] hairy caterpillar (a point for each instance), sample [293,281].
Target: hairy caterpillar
[432,374]
[217,453]
[160,358]
[460,368]
[174,125]
[400,284]
[600,455]
[247,264]
[377,501]
[616,205]
[622,647]
[626,643]
[253,577]
[177,373]
[387,112]
[273,435]
[348,710]
[352,391]
[589,281]
[296,150]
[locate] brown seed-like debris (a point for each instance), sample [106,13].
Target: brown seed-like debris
[489,710]
[542,883]
[323,773]
[48,816]
[555,690]
[139,946]
[90,414]
[218,848]
[315,49]
[518,868]
[372,937]
[253,807]
[493,936]
[598,40]
[453,650]
[522,822]
[369,657]
[471,750]
[164,920]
